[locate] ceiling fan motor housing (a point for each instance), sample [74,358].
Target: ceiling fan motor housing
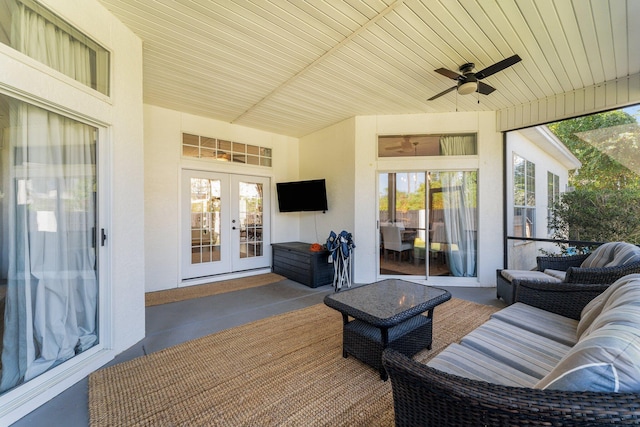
[467,68]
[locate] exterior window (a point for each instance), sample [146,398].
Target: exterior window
[203,147]
[41,35]
[524,197]
[553,196]
[427,145]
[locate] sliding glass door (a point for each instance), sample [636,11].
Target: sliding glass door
[428,223]
[48,243]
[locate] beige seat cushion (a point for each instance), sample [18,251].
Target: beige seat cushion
[550,325]
[510,275]
[558,274]
[469,363]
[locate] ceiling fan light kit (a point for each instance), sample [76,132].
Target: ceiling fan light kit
[469,82]
[467,88]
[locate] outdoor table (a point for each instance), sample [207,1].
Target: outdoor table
[385,314]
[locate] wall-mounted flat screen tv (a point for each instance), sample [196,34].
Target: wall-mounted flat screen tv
[300,196]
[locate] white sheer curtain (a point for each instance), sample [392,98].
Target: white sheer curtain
[458,195]
[51,301]
[43,41]
[458,145]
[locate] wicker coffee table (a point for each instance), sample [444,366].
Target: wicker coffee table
[386,314]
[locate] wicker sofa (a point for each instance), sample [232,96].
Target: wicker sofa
[492,383]
[604,265]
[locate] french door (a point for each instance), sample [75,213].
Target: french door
[225,223]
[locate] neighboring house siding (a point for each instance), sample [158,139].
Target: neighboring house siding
[525,255]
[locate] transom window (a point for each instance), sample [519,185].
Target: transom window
[203,147]
[38,33]
[427,145]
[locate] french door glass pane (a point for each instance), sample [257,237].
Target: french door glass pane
[205,220]
[250,209]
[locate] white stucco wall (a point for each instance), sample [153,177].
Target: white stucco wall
[489,166]
[163,166]
[330,154]
[345,155]
[122,259]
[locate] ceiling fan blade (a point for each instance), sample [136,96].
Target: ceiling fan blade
[498,66]
[444,92]
[485,89]
[448,73]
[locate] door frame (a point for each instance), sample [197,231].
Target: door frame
[230,261]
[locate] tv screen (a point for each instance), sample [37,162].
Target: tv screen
[302,196]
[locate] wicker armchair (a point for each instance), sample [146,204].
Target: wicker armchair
[574,273]
[425,396]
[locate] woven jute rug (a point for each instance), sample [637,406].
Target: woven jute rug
[285,370]
[208,289]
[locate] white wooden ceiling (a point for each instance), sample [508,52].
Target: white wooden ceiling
[296,66]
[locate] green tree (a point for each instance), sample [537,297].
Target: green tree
[605,203]
[405,201]
[599,216]
[608,145]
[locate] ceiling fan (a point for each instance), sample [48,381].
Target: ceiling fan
[406,145]
[469,82]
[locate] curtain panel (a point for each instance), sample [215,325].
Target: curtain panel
[459,200]
[458,145]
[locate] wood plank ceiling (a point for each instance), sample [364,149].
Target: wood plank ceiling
[296,66]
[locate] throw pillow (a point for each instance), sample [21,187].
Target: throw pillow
[591,377]
[614,341]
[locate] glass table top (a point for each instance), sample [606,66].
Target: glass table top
[387,299]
